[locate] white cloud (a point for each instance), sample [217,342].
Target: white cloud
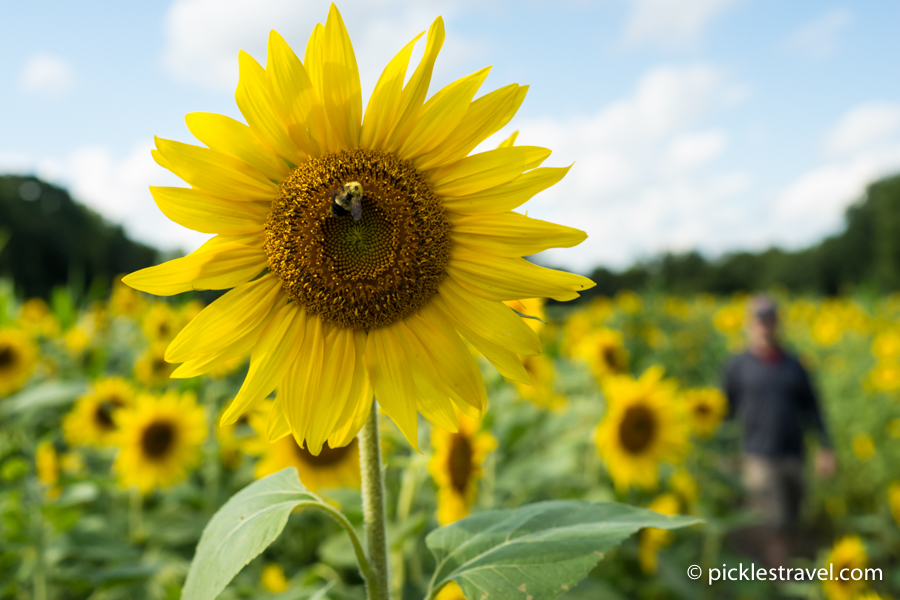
[116,187]
[671,22]
[863,127]
[203,37]
[864,145]
[47,75]
[643,180]
[820,38]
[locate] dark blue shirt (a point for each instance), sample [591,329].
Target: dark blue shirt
[774,400]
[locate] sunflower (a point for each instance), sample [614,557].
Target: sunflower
[160,323]
[653,539]
[885,376]
[540,369]
[159,440]
[849,553]
[863,446]
[894,501]
[47,464]
[604,351]
[18,357]
[152,369]
[244,436]
[450,591]
[330,468]
[272,579]
[643,426]
[124,301]
[92,421]
[341,306]
[533,311]
[456,466]
[36,318]
[707,407]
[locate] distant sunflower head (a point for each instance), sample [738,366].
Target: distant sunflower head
[160,323]
[159,440]
[244,436]
[361,246]
[707,408]
[92,421]
[643,427]
[330,468]
[18,357]
[653,539]
[847,555]
[152,369]
[604,351]
[36,318]
[456,466]
[541,392]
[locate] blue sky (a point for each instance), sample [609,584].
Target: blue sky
[710,124]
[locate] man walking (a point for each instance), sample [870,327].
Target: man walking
[769,392]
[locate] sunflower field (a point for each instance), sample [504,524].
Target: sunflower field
[110,469]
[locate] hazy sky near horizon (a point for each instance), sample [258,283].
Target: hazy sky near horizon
[709,124]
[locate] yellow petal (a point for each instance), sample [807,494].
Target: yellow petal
[507,196]
[253,100]
[483,118]
[432,396]
[342,96]
[338,366]
[508,142]
[413,95]
[273,353]
[302,384]
[359,399]
[486,170]
[456,367]
[496,322]
[441,114]
[508,363]
[214,172]
[277,426]
[213,266]
[391,381]
[512,234]
[498,278]
[313,59]
[385,99]
[294,97]
[226,320]
[205,213]
[235,139]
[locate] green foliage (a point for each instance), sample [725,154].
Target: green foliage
[239,532]
[50,240]
[539,550]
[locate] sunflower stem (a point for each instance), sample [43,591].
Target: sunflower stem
[374,512]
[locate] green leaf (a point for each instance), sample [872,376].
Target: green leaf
[244,527]
[537,551]
[45,395]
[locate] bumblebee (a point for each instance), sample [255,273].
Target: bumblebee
[348,200]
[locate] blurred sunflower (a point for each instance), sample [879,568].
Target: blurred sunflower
[643,426]
[124,301]
[533,311]
[47,464]
[160,323]
[244,436]
[18,357]
[450,591]
[894,501]
[159,440]
[885,376]
[863,446]
[152,369]
[653,539]
[604,352]
[456,466]
[36,318]
[330,468]
[886,344]
[848,553]
[91,421]
[272,579]
[540,369]
[340,306]
[707,407]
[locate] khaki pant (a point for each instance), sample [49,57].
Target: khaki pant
[774,489]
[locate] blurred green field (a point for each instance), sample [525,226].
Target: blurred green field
[95,503]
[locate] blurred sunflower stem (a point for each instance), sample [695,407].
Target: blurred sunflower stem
[135,514]
[374,513]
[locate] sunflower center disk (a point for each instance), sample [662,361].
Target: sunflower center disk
[638,429]
[7,356]
[158,439]
[358,274]
[460,462]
